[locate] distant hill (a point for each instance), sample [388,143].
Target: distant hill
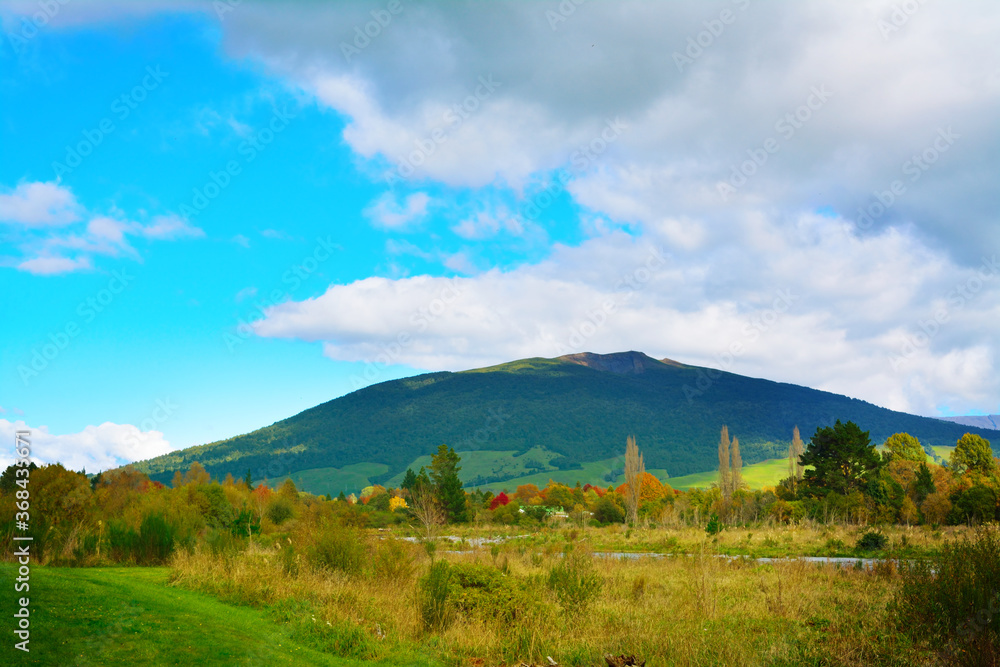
[990,422]
[534,417]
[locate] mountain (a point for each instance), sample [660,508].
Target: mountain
[542,415]
[989,422]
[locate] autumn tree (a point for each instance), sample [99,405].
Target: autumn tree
[905,447]
[196,474]
[634,470]
[973,453]
[840,458]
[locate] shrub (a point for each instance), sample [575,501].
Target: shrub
[574,581]
[279,511]
[607,511]
[433,597]
[339,548]
[486,592]
[953,599]
[391,561]
[714,526]
[872,540]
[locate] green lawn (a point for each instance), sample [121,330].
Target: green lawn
[131,616]
[758,475]
[944,453]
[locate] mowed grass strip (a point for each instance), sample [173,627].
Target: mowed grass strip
[131,616]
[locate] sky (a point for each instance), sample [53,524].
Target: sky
[214,215]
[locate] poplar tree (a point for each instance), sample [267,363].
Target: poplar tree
[725,479]
[635,469]
[736,468]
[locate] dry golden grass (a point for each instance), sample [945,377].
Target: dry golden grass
[682,610]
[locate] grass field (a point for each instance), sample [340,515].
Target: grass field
[944,453]
[131,616]
[757,476]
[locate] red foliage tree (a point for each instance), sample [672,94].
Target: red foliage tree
[499,500]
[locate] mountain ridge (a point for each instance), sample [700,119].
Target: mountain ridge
[579,408]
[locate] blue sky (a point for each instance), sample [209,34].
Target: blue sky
[198,235]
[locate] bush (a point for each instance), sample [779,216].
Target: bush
[714,526]
[339,548]
[574,581]
[872,540]
[607,511]
[486,592]
[279,511]
[953,599]
[433,597]
[391,561]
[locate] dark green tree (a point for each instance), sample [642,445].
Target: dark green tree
[839,458]
[447,485]
[923,485]
[248,480]
[409,480]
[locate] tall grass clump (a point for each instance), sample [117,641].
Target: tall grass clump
[574,581]
[954,599]
[339,548]
[155,541]
[434,597]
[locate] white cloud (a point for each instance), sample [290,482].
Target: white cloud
[43,206]
[850,304]
[38,204]
[388,213]
[168,228]
[48,266]
[95,448]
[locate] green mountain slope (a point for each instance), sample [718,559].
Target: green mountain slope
[558,413]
